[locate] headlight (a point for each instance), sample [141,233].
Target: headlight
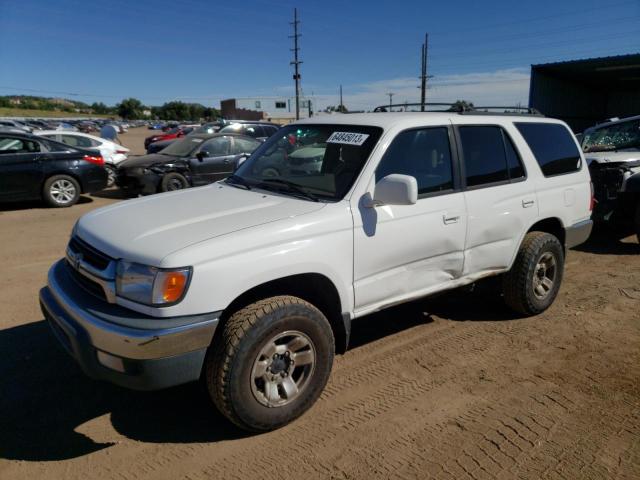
[151,285]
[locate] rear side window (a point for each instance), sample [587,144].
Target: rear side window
[553,146]
[424,154]
[489,156]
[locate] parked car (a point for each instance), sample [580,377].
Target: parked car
[250,284]
[112,153]
[156,126]
[15,124]
[158,146]
[612,150]
[33,167]
[258,130]
[191,161]
[174,133]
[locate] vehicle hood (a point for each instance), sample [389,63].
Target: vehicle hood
[611,157]
[148,229]
[148,160]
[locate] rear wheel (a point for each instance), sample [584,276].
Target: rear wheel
[271,362]
[532,284]
[173,181]
[111,175]
[61,191]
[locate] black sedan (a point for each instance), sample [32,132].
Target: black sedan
[36,168]
[188,162]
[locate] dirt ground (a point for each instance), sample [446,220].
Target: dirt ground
[453,387]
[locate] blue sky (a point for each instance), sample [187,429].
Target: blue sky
[197,50]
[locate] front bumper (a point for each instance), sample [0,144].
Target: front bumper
[115,344]
[137,181]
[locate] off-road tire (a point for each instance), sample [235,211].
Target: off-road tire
[518,283]
[227,371]
[173,181]
[53,199]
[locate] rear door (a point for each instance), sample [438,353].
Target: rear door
[501,203]
[215,161]
[21,173]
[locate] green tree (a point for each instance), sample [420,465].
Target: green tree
[461,105]
[100,108]
[130,109]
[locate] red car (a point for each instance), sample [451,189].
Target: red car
[176,132]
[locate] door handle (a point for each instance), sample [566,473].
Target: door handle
[527,203]
[226,160]
[449,220]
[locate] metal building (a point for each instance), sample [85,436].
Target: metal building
[586,92]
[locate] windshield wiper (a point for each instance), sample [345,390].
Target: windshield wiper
[237,181]
[290,186]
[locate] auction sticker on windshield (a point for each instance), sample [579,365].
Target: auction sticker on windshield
[348,138]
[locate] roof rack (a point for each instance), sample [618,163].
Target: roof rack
[517,110]
[452,107]
[462,109]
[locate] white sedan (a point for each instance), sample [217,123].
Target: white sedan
[112,152]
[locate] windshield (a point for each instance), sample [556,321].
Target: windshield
[614,137]
[183,147]
[318,160]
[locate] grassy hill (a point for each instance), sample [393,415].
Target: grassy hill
[22,112]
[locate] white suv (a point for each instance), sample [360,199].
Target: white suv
[250,284]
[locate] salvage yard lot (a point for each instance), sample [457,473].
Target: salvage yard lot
[451,387]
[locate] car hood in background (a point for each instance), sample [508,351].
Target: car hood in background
[148,160]
[148,229]
[612,157]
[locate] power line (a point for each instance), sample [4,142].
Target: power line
[296,62]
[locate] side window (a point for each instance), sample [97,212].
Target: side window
[243,145]
[424,154]
[252,131]
[10,145]
[281,105]
[553,146]
[485,159]
[217,146]
[57,147]
[269,130]
[514,162]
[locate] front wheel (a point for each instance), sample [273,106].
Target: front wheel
[533,282]
[271,362]
[173,181]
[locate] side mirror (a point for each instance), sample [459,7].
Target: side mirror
[239,160]
[394,189]
[202,154]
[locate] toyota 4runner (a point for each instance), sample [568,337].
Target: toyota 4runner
[250,284]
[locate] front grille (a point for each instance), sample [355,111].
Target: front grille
[90,255]
[86,283]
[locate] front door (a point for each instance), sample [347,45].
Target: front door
[213,162]
[21,172]
[403,252]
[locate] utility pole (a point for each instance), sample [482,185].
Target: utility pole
[341,104]
[296,62]
[390,99]
[423,75]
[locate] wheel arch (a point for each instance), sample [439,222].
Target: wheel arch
[314,288]
[551,225]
